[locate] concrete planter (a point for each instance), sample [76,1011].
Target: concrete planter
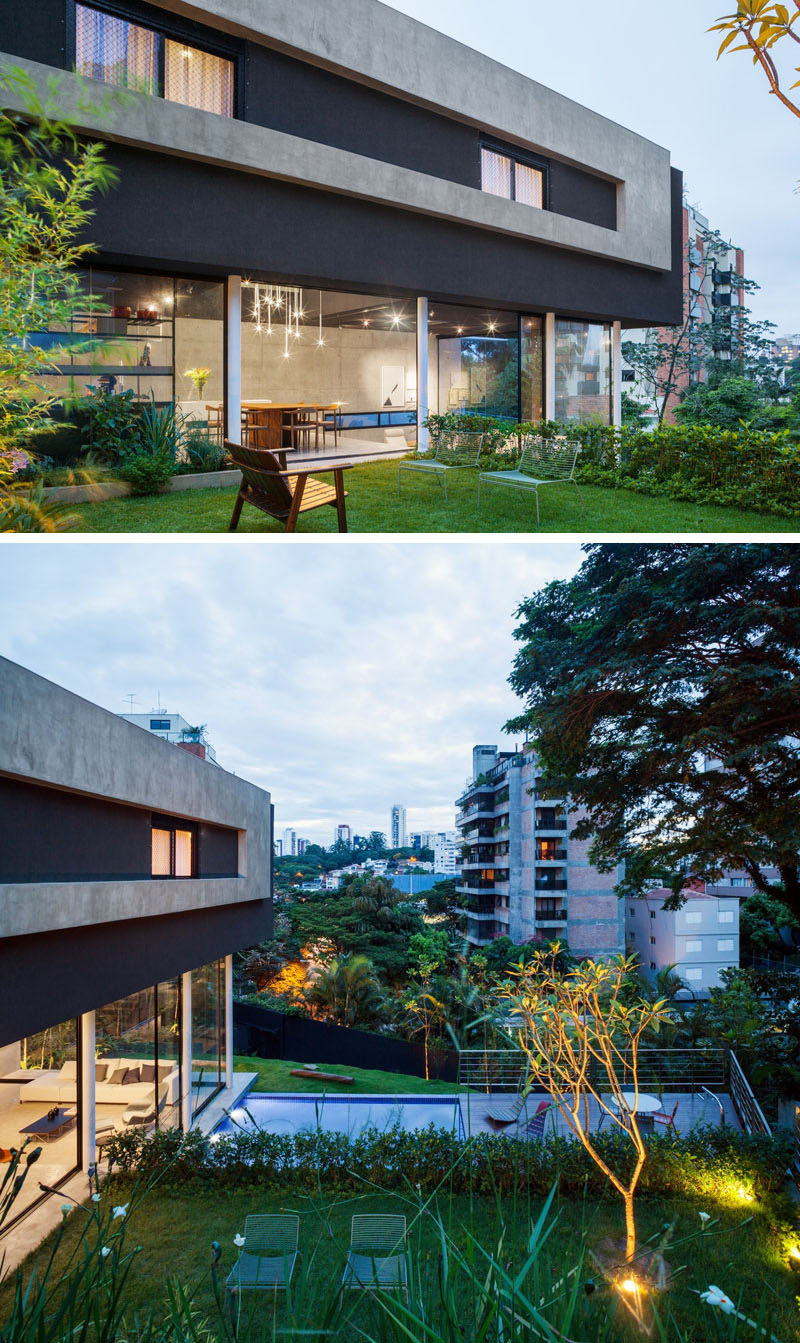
[118,489]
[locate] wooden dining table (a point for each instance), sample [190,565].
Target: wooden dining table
[273,420]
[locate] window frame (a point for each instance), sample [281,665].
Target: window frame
[172,824]
[526,159]
[176,32]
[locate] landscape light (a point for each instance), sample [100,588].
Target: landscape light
[629,1285]
[744,1194]
[794,1253]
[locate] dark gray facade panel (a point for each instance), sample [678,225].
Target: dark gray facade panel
[49,834]
[220,221]
[291,95]
[52,977]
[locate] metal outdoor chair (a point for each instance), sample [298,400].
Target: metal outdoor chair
[535,1127]
[377,1254]
[666,1117]
[508,1114]
[542,462]
[283,494]
[453,452]
[268,1256]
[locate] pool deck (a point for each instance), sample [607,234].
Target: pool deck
[694,1111]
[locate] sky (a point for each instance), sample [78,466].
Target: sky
[651,66]
[342,679]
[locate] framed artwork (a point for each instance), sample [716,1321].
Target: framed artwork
[393,386]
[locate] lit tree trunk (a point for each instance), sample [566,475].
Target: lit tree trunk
[630,1227]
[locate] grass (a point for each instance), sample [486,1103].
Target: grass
[274,1075]
[175,1229]
[374,505]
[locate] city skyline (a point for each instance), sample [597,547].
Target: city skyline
[369,682]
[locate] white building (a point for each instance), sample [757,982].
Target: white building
[290,843]
[397,827]
[699,939]
[343,834]
[174,727]
[446,849]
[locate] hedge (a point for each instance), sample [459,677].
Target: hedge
[745,468]
[705,1162]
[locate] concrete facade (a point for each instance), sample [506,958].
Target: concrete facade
[699,939]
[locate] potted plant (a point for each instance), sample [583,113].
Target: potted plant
[198,377]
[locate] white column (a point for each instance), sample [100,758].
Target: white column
[616,374]
[87,1091]
[422,373]
[186,1052]
[233,360]
[229,1021]
[550,366]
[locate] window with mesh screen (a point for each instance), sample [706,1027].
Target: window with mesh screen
[183,853]
[162,853]
[495,173]
[115,51]
[198,79]
[528,185]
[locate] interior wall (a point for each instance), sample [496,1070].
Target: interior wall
[198,344]
[347,368]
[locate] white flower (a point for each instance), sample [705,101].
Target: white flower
[121,1211]
[105,1252]
[716,1297]
[704,1217]
[65,1208]
[238,1239]
[95,1198]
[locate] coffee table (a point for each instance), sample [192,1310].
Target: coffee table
[48,1129]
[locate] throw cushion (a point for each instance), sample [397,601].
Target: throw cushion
[100,1072]
[131,1076]
[148,1072]
[117,1076]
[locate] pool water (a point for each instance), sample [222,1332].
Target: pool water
[340,1114]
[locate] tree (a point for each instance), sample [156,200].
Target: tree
[724,407]
[48,179]
[762,918]
[441,898]
[634,413]
[762,24]
[345,992]
[428,953]
[662,690]
[581,1035]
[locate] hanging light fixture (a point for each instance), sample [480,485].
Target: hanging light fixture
[320,341]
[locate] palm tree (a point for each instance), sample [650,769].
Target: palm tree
[346,992]
[381,905]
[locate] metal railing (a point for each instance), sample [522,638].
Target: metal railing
[492,1069]
[796,1162]
[663,1069]
[747,1107]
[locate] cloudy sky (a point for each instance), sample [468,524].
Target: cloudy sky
[650,65]
[340,678]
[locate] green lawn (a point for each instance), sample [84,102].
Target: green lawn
[175,1229]
[274,1075]
[374,505]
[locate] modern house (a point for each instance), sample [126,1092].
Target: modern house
[130,872]
[333,205]
[699,939]
[522,874]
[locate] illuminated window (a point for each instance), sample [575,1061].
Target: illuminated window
[173,850]
[162,853]
[183,853]
[503,175]
[198,79]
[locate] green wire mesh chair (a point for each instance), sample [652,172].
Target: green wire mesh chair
[377,1254]
[453,452]
[269,1253]
[542,462]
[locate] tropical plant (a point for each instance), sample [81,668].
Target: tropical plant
[202,452]
[48,180]
[151,461]
[110,424]
[345,992]
[582,1042]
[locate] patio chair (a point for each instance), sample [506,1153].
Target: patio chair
[535,1127]
[453,452]
[377,1254]
[283,494]
[508,1114]
[268,1256]
[666,1117]
[541,462]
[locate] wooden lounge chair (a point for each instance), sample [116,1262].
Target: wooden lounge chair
[666,1117]
[453,452]
[283,494]
[268,1256]
[377,1254]
[542,462]
[508,1114]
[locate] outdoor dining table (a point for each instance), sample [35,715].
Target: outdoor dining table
[645,1106]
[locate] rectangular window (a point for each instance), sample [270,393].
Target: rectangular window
[724,944]
[725,916]
[503,175]
[162,853]
[693,918]
[173,851]
[694,944]
[653,940]
[159,725]
[693,972]
[132,57]
[183,853]
[583,380]
[652,913]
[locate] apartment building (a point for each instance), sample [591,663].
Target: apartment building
[175,728]
[336,205]
[522,875]
[709,286]
[130,872]
[397,827]
[700,939]
[446,850]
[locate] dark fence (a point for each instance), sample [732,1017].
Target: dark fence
[267,1034]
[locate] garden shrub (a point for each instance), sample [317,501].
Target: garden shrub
[704,1163]
[110,425]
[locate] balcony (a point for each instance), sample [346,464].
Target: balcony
[557,824]
[474,884]
[549,916]
[481,915]
[551,856]
[478,858]
[550,883]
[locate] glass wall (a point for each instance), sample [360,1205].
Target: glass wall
[476,361]
[532,369]
[39,1102]
[208,1033]
[137,1070]
[582,372]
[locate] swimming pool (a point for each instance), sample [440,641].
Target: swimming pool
[341,1114]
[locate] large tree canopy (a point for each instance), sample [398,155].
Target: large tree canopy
[661,686]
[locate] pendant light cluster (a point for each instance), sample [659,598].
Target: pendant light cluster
[281,305]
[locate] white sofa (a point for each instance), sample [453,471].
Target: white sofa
[59,1086]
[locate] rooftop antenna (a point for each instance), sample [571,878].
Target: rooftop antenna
[131,701]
